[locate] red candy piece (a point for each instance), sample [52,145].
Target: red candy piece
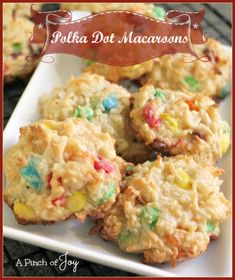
[60,180]
[149,116]
[59,200]
[49,177]
[104,164]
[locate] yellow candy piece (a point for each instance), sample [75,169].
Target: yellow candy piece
[77,201]
[225,142]
[169,122]
[136,66]
[182,179]
[24,211]
[48,125]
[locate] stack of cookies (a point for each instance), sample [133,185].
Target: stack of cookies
[142,164]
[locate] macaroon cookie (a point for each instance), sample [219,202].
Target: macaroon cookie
[62,169]
[169,210]
[175,122]
[209,78]
[104,104]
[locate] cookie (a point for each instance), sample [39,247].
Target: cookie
[105,104]
[16,49]
[13,10]
[62,169]
[209,78]
[169,210]
[174,122]
[118,73]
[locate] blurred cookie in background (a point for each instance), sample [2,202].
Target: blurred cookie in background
[209,78]
[17,27]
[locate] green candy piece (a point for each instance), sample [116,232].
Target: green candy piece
[89,62]
[210,227]
[130,167]
[159,94]
[159,12]
[17,47]
[224,93]
[84,112]
[150,216]
[108,195]
[193,83]
[126,237]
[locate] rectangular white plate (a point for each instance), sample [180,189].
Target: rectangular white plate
[72,236]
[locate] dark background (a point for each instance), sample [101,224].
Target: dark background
[217,24]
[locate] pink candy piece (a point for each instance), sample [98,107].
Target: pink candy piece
[149,116]
[104,164]
[180,142]
[49,177]
[59,201]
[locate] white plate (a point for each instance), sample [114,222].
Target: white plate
[72,236]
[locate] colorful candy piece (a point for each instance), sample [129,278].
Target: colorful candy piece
[210,227]
[110,102]
[24,211]
[159,94]
[89,62]
[61,201]
[84,112]
[192,105]
[149,117]
[100,164]
[169,122]
[108,195]
[31,175]
[159,12]
[126,238]
[49,177]
[192,82]
[17,47]
[150,216]
[224,93]
[130,167]
[225,142]
[77,201]
[182,179]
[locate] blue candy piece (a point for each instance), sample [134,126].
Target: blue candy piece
[110,102]
[31,175]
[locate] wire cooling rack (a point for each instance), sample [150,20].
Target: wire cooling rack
[217,24]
